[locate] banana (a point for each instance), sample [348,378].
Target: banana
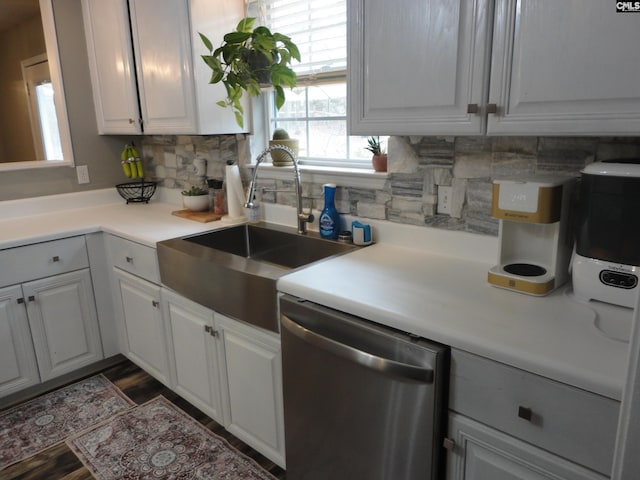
[131,162]
[124,160]
[126,168]
[138,166]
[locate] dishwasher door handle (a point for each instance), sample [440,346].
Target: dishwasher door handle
[368,360]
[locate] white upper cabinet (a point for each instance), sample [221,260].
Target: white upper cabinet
[146,70]
[565,68]
[415,66]
[113,75]
[509,67]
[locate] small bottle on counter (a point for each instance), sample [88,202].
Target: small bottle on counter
[216,194]
[329,222]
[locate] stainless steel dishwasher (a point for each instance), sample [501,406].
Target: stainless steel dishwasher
[361,401]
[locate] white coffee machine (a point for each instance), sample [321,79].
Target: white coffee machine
[606,261]
[535,239]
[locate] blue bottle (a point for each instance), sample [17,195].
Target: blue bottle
[329,223]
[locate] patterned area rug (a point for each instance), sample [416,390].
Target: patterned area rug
[37,425]
[158,441]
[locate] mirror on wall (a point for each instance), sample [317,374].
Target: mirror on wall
[34,127]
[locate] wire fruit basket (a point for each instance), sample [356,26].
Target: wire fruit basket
[137,192]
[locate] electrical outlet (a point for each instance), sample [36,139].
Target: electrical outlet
[444,200]
[82,171]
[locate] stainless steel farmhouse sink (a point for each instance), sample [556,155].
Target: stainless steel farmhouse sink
[234,270]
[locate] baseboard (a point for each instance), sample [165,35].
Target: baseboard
[35,390]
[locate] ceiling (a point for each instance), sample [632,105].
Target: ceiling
[15,11]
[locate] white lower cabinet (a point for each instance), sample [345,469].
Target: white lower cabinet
[18,365]
[509,424]
[193,353]
[48,320]
[252,372]
[230,370]
[144,341]
[64,324]
[483,453]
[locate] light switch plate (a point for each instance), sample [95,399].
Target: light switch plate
[82,171]
[444,200]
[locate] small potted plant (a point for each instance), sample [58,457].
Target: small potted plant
[379,159]
[196,199]
[281,137]
[248,59]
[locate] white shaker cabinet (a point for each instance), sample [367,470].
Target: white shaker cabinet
[18,364]
[483,453]
[149,78]
[64,324]
[509,67]
[193,353]
[252,371]
[48,319]
[138,305]
[417,67]
[564,68]
[508,424]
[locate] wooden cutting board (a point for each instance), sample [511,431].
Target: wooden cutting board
[202,217]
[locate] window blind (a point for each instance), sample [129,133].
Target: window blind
[317,27]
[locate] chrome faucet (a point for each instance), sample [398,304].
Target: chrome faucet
[303,218]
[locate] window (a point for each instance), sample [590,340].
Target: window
[316,111]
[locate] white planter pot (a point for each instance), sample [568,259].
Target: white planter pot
[196,203]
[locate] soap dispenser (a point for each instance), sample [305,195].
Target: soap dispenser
[329,223]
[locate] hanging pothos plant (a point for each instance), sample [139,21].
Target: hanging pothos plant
[249,59]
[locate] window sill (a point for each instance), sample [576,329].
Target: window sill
[343,177]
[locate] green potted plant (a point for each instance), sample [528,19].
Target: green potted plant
[379,159]
[281,137]
[248,59]
[196,199]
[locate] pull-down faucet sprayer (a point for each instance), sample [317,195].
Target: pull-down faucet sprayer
[303,218]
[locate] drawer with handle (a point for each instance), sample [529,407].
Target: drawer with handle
[40,260]
[134,258]
[573,423]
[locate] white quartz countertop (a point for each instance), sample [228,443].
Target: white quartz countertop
[447,299]
[429,282]
[139,222]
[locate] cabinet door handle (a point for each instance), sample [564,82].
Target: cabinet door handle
[449,443]
[492,108]
[20,300]
[31,298]
[129,259]
[155,303]
[211,331]
[472,108]
[55,259]
[525,413]
[131,121]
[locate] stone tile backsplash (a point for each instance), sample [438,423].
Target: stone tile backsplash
[417,167]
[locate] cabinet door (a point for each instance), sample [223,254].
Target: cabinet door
[253,374]
[111,65]
[483,453]
[562,68]
[144,333]
[193,359]
[18,366]
[416,66]
[162,48]
[64,324]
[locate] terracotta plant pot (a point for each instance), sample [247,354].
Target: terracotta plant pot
[280,158]
[379,163]
[196,203]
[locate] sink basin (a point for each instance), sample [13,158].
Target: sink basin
[234,270]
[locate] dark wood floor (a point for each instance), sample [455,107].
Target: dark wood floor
[58,462]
